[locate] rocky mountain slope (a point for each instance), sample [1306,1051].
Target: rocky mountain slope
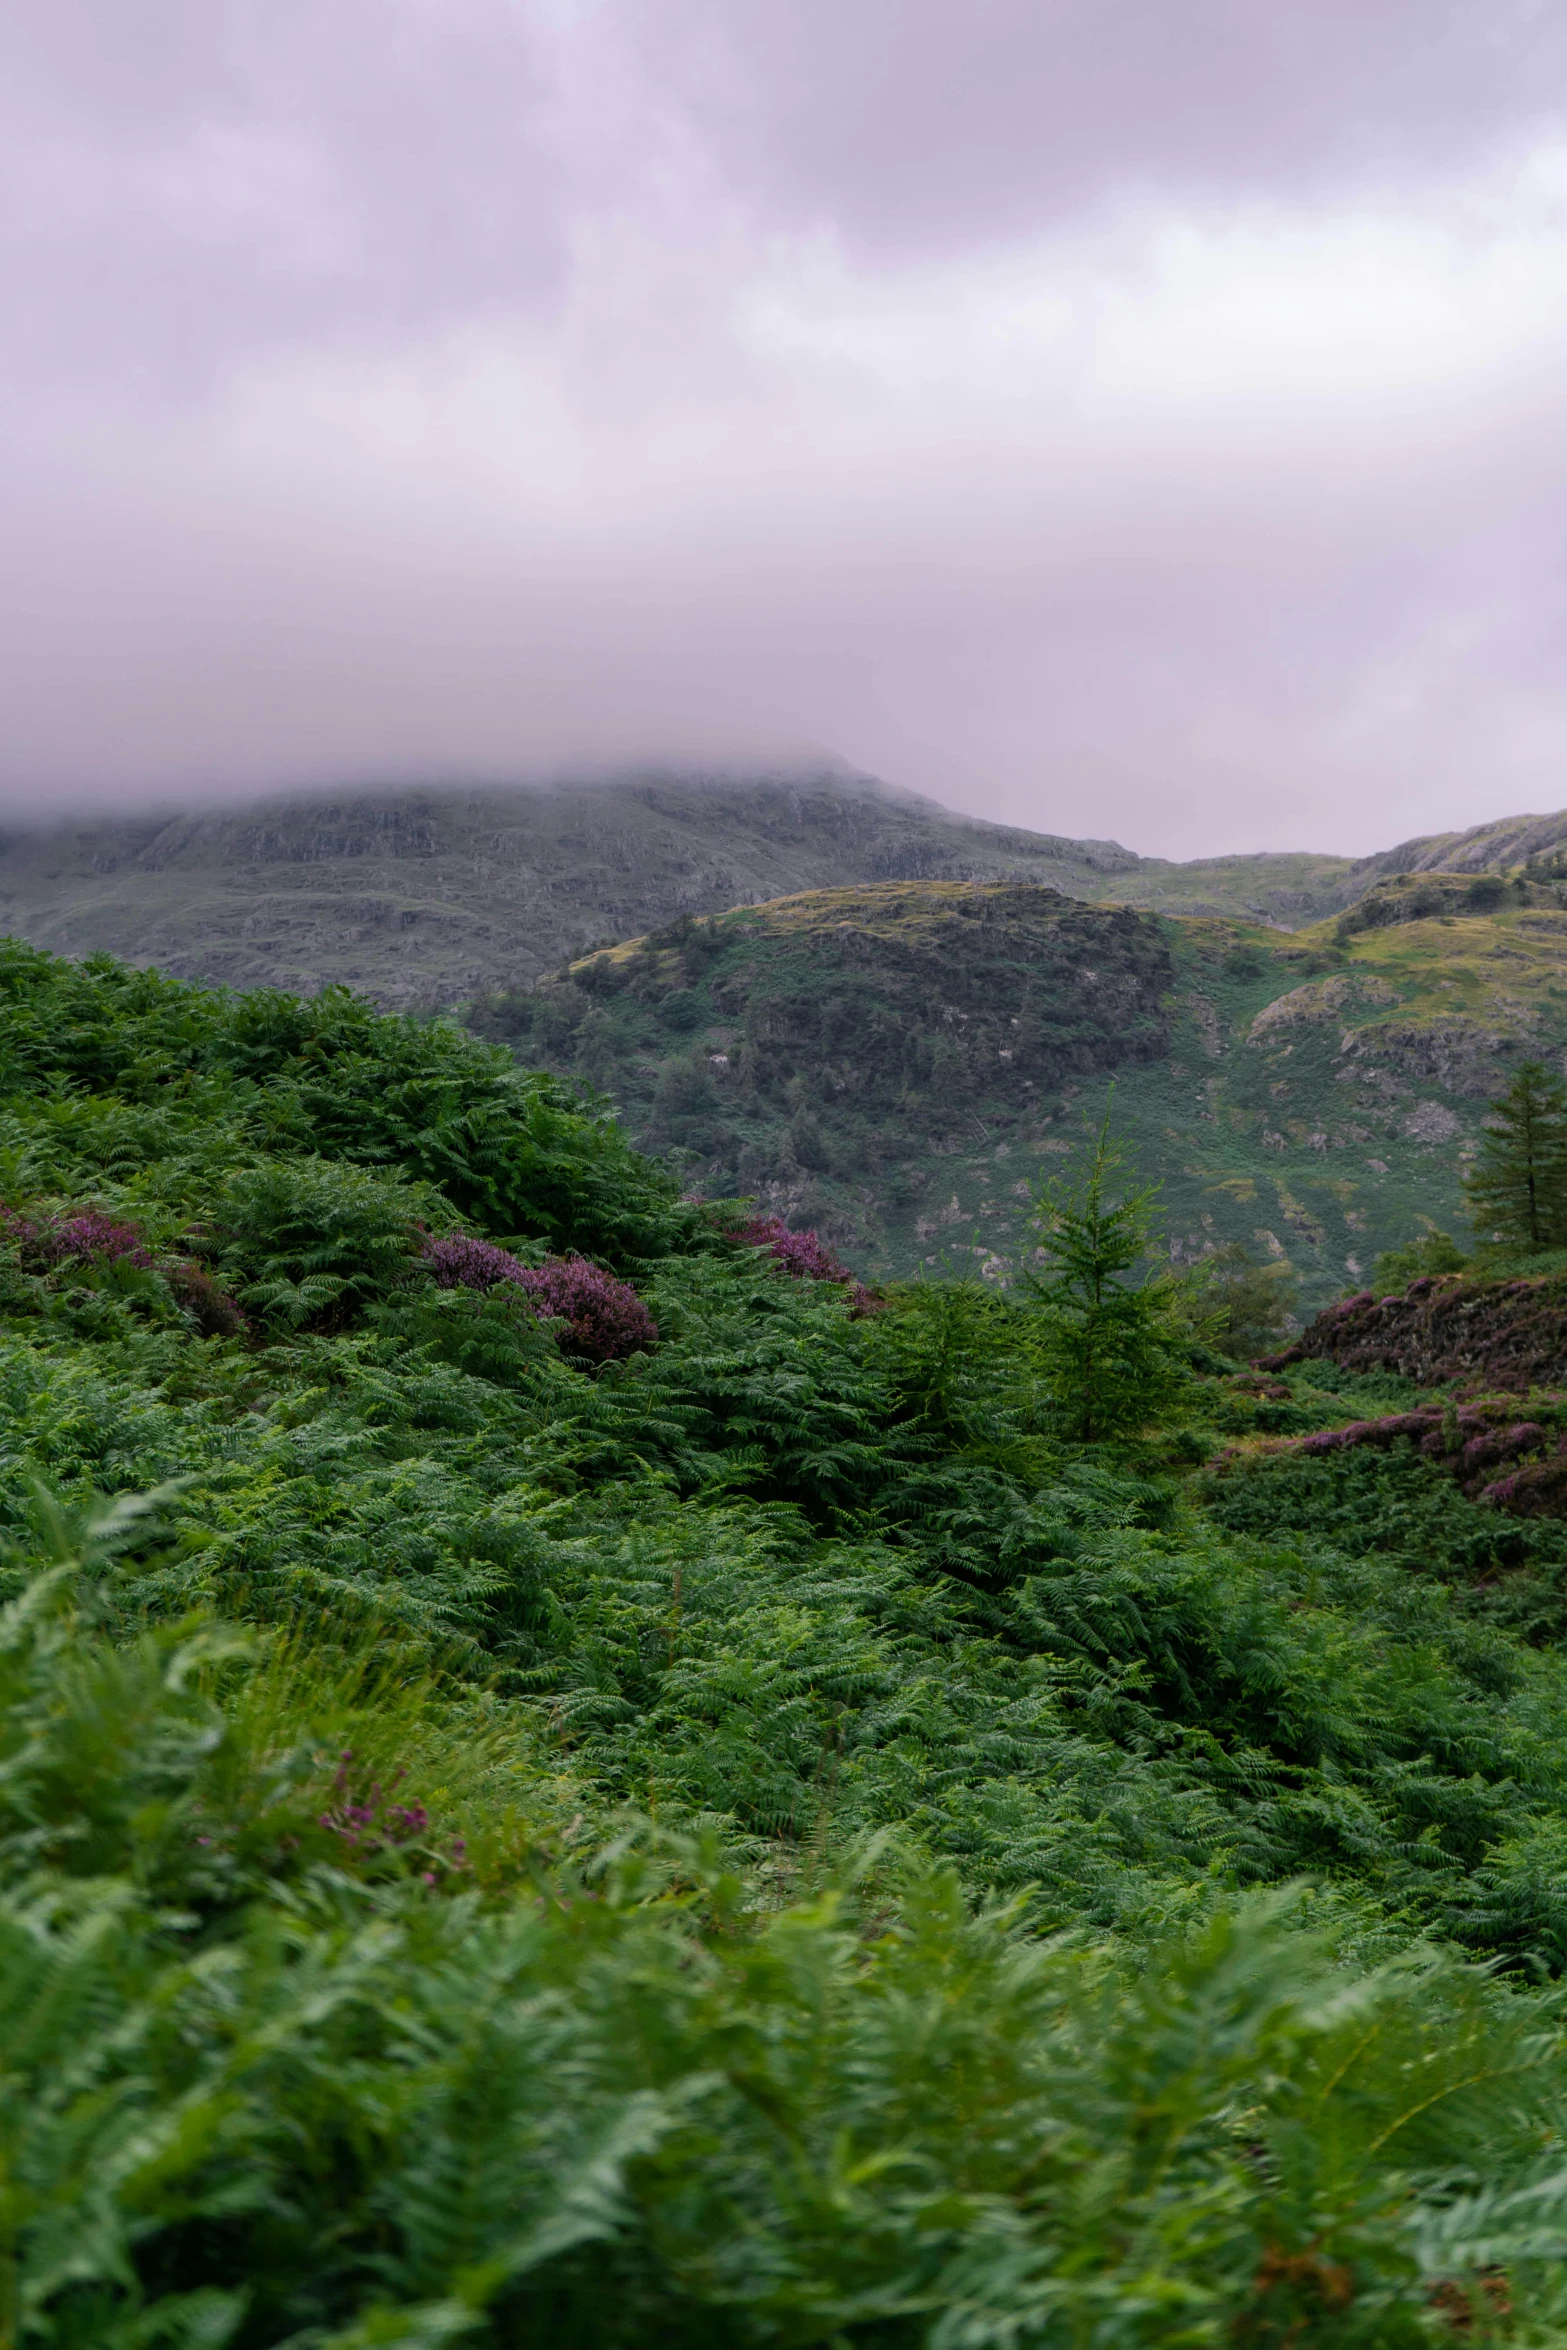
[424,897]
[900,1062]
[1497,847]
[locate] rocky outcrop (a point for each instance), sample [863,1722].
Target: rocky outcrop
[1319,1000]
[1506,1334]
[1431,1122]
[1459,1055]
[1497,1458]
[1497,847]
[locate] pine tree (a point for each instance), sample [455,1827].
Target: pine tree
[1114,1351]
[1246,1306]
[1517,1188]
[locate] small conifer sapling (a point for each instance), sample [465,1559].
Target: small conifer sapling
[1114,1355]
[1517,1188]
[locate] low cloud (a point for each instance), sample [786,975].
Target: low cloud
[1123,434]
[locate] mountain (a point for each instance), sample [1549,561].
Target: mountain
[880,1016]
[897,1063]
[425,896]
[1485,848]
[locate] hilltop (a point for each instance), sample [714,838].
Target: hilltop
[897,1062]
[425,897]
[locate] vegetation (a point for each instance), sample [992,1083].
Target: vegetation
[1110,1349]
[1427,1257]
[1417,897]
[1246,1306]
[778,1827]
[819,1052]
[894,1066]
[1518,1183]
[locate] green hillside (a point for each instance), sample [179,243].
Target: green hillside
[422,897]
[899,1063]
[566,1777]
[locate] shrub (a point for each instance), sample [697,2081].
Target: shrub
[1112,1350]
[604,1317]
[90,1237]
[1428,1257]
[313,1239]
[513,1151]
[214,1312]
[803,1254]
[87,1234]
[1250,1304]
[460,1262]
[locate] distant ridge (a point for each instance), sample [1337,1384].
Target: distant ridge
[1484,848]
[428,896]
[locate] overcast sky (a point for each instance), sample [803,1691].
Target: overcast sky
[1127,417]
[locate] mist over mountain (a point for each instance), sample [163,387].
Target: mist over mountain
[426,896]
[429,896]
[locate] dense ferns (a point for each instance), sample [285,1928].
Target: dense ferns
[764,1838]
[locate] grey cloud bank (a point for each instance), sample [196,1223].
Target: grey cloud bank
[1118,418]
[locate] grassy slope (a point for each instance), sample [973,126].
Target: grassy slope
[1336,1113]
[1328,1116]
[1283,890]
[345,2005]
[841,1057]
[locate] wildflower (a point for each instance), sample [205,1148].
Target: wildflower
[462,1263]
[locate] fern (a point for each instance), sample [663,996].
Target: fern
[761,1838]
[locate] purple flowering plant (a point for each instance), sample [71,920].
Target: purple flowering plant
[75,1239]
[89,1236]
[368,1822]
[459,1262]
[807,1257]
[804,1254]
[605,1319]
